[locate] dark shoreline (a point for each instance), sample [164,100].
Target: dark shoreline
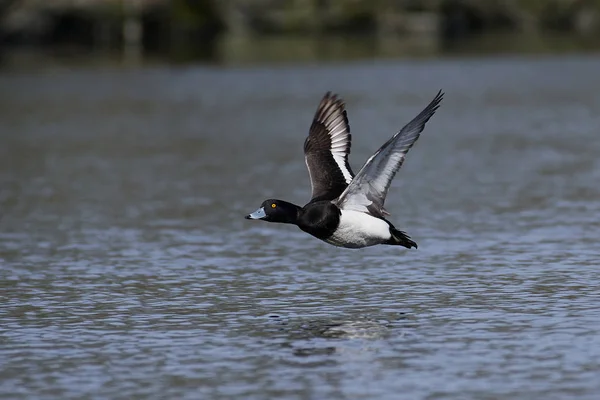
[156,25]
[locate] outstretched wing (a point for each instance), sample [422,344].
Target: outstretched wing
[326,150]
[368,189]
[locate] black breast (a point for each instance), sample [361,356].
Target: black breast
[320,219]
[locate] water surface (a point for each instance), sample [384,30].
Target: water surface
[128,271]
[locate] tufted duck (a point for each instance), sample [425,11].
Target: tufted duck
[346,210]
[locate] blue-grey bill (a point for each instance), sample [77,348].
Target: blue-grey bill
[258,214]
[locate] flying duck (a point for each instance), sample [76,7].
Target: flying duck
[346,210]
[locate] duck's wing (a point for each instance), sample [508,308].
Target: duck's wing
[367,191]
[326,150]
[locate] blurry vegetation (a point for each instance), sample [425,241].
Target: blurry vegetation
[168,26]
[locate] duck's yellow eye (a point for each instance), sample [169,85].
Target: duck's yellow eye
[273,205]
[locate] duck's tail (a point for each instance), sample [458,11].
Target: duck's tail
[400,238]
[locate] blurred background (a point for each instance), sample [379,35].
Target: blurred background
[234,31]
[136,134]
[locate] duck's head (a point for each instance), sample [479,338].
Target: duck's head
[274,210]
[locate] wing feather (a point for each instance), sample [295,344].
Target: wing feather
[368,189]
[326,149]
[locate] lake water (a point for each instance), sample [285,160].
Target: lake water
[128,270]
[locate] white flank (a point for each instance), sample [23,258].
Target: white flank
[358,229]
